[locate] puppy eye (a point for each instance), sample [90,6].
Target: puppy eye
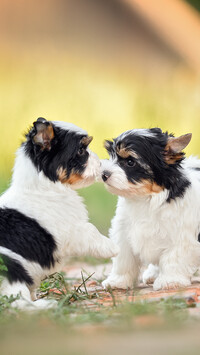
[130,162]
[81,151]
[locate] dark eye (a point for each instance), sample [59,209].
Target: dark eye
[81,151]
[130,162]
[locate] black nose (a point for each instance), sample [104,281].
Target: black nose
[105,175]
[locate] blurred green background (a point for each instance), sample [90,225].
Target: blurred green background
[106,66]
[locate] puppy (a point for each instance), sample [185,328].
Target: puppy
[42,218]
[157,218]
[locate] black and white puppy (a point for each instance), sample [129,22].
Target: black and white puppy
[157,218]
[42,218]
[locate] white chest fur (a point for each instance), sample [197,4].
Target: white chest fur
[152,225]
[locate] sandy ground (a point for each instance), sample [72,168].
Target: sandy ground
[142,292]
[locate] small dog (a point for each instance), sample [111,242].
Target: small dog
[157,219]
[42,219]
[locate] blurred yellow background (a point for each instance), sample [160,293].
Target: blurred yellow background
[107,66]
[104,65]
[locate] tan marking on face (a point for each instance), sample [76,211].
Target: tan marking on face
[122,152]
[72,179]
[62,174]
[86,140]
[125,153]
[153,187]
[145,187]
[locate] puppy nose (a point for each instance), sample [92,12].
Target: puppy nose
[105,175]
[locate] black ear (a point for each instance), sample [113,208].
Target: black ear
[108,145]
[44,133]
[41,120]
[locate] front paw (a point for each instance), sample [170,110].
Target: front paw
[167,282]
[45,304]
[150,274]
[118,281]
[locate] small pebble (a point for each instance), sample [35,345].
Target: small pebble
[190,301]
[91,283]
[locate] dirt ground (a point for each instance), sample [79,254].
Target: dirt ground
[142,293]
[120,332]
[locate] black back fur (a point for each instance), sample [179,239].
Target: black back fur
[24,236]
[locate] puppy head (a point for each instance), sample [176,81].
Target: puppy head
[60,150]
[145,162]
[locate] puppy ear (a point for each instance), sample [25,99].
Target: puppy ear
[174,147]
[86,140]
[108,145]
[44,133]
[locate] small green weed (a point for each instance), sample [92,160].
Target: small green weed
[2,266]
[5,303]
[56,286]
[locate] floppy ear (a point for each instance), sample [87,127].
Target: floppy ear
[174,147]
[44,133]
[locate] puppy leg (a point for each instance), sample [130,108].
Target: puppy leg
[89,241]
[33,293]
[150,274]
[125,269]
[44,304]
[177,266]
[17,289]
[24,302]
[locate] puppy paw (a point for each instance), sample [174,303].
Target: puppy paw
[167,282]
[150,274]
[45,304]
[118,281]
[30,306]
